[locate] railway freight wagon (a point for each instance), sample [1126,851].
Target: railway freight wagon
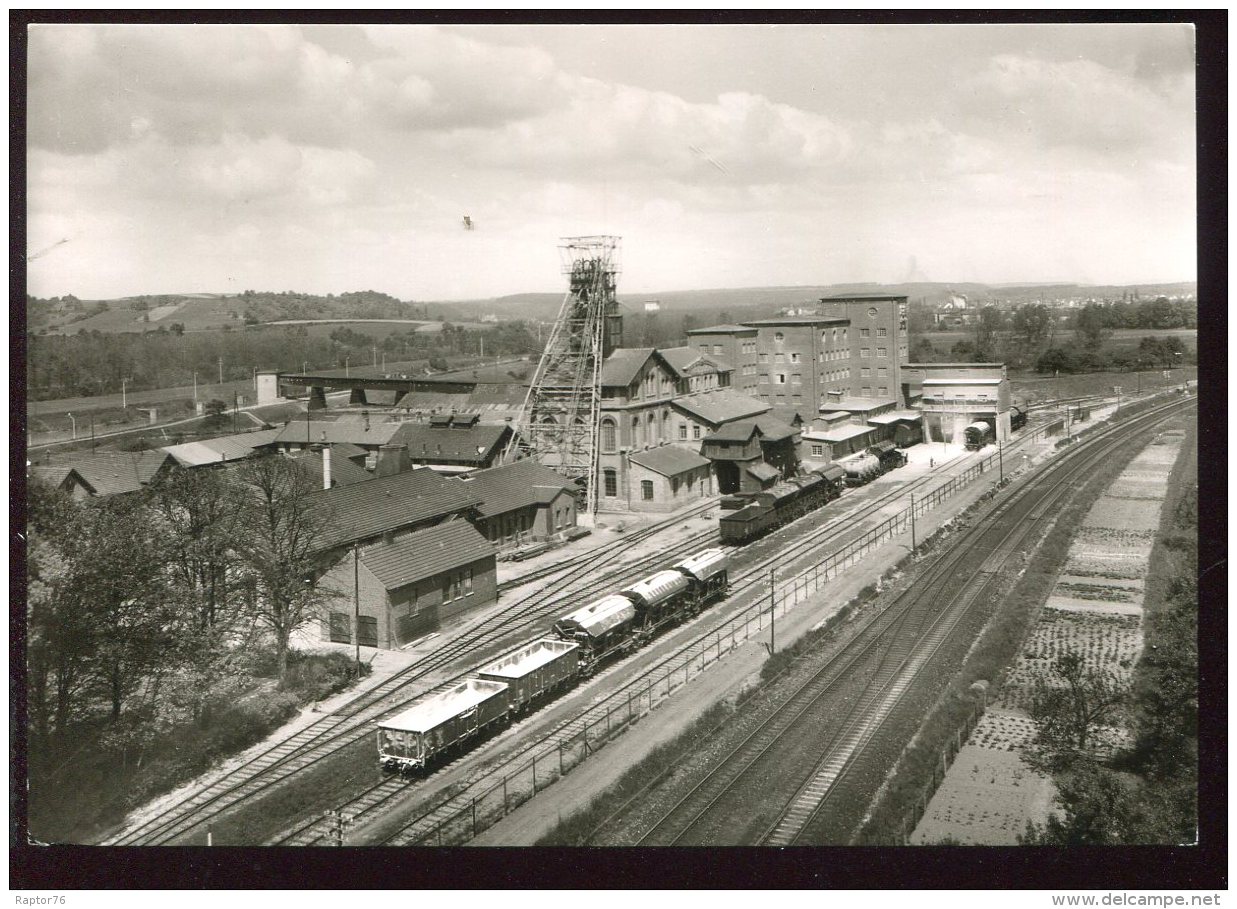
[785,502]
[413,739]
[1017,418]
[657,598]
[978,435]
[601,628]
[541,668]
[710,572]
[888,455]
[534,671]
[862,470]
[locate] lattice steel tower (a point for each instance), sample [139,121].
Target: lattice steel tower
[558,423]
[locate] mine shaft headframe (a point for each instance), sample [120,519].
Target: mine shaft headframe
[577,252]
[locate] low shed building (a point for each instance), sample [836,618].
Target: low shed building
[389,595]
[667,478]
[522,502]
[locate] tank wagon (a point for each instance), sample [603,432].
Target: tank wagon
[623,621]
[767,510]
[978,435]
[862,470]
[542,668]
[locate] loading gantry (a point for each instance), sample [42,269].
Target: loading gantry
[558,422]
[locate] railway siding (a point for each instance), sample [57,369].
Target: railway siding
[494,839]
[834,576]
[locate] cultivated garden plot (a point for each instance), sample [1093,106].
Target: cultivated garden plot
[1095,609]
[1124,515]
[986,799]
[1110,641]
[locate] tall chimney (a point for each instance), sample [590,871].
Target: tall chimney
[326,467]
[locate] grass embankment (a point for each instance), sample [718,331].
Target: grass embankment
[79,789]
[991,655]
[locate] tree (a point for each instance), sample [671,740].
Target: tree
[1104,807]
[1091,326]
[1069,707]
[1055,359]
[215,411]
[56,634]
[201,511]
[281,534]
[1033,324]
[986,328]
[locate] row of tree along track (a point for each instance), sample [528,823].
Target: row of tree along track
[577,580]
[776,785]
[494,791]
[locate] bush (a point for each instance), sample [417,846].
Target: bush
[314,676]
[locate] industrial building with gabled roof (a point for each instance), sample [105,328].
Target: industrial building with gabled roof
[110,473]
[387,508]
[522,502]
[368,434]
[64,479]
[453,442]
[391,594]
[222,449]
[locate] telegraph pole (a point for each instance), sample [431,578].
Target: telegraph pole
[356,602]
[772,613]
[1000,457]
[914,545]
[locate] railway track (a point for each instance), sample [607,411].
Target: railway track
[347,725]
[344,726]
[743,583]
[804,815]
[889,652]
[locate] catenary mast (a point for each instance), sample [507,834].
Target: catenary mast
[558,422]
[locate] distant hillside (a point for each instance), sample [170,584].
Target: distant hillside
[204,312]
[545,306]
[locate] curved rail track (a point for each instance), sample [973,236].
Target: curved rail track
[754,576]
[339,728]
[576,578]
[889,651]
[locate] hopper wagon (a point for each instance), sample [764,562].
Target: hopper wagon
[658,598]
[709,572]
[601,628]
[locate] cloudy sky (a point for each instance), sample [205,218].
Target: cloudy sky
[331,158]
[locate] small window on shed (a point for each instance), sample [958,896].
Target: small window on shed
[646,490]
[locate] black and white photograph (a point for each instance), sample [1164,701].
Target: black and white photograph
[615,434]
